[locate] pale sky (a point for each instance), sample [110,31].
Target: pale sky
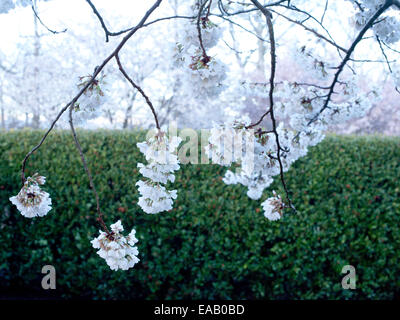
[17,25]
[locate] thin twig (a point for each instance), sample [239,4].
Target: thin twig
[325,9]
[205,56]
[311,17]
[384,53]
[109,33]
[259,121]
[333,43]
[78,146]
[42,23]
[138,88]
[243,28]
[360,36]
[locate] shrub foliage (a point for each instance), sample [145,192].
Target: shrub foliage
[215,243]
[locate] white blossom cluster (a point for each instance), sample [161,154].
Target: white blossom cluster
[89,105]
[258,168]
[301,125]
[302,104]
[203,74]
[388,29]
[119,251]
[32,201]
[210,33]
[231,143]
[256,152]
[162,163]
[257,159]
[388,26]
[273,207]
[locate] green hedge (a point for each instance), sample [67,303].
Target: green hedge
[215,243]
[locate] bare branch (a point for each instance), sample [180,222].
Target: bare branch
[205,56]
[98,15]
[78,146]
[109,33]
[273,4]
[259,121]
[41,22]
[138,88]
[325,9]
[333,43]
[384,53]
[240,26]
[389,47]
[114,34]
[309,17]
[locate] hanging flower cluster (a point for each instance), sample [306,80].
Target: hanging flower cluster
[210,33]
[256,168]
[162,163]
[89,104]
[206,73]
[256,152]
[273,207]
[119,251]
[257,159]
[253,150]
[32,201]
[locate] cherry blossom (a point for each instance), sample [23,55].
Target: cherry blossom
[273,207]
[32,201]
[89,104]
[119,251]
[160,152]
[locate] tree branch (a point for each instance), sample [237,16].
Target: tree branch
[138,88]
[360,36]
[109,33]
[270,26]
[98,15]
[333,43]
[41,22]
[205,56]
